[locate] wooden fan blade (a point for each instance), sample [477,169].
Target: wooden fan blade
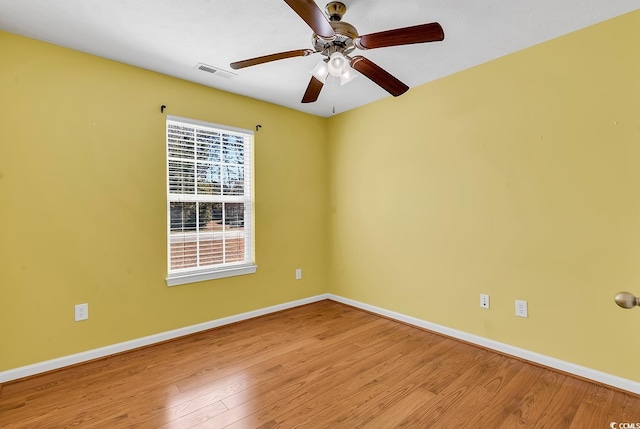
[423,33]
[313,16]
[313,90]
[272,57]
[379,76]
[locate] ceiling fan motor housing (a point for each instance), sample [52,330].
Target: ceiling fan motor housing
[343,41]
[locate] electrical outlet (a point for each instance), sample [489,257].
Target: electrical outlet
[521,308]
[484,300]
[298,273]
[82,312]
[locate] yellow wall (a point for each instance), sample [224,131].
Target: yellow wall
[83,212]
[519,178]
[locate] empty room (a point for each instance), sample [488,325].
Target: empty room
[314,214]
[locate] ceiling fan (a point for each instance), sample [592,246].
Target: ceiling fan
[336,40]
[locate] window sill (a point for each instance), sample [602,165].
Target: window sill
[181,279]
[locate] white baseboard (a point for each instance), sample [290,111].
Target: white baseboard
[38,368]
[580,371]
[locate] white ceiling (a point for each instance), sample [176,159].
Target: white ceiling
[172,36]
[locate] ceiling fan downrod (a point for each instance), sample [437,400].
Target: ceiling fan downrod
[335,10]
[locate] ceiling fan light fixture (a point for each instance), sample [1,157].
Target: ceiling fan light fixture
[337,64]
[321,71]
[348,75]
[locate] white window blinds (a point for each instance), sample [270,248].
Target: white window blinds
[209,199]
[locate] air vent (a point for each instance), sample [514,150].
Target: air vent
[215,71]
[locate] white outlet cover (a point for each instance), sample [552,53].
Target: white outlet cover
[484,300]
[298,273]
[81,312]
[522,309]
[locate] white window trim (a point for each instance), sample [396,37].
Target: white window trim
[193,277]
[186,276]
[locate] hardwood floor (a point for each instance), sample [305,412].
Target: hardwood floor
[323,365]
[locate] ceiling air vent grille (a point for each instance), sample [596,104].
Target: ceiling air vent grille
[215,71]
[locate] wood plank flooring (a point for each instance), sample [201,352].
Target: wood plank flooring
[323,365]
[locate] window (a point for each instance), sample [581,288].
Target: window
[209,201]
